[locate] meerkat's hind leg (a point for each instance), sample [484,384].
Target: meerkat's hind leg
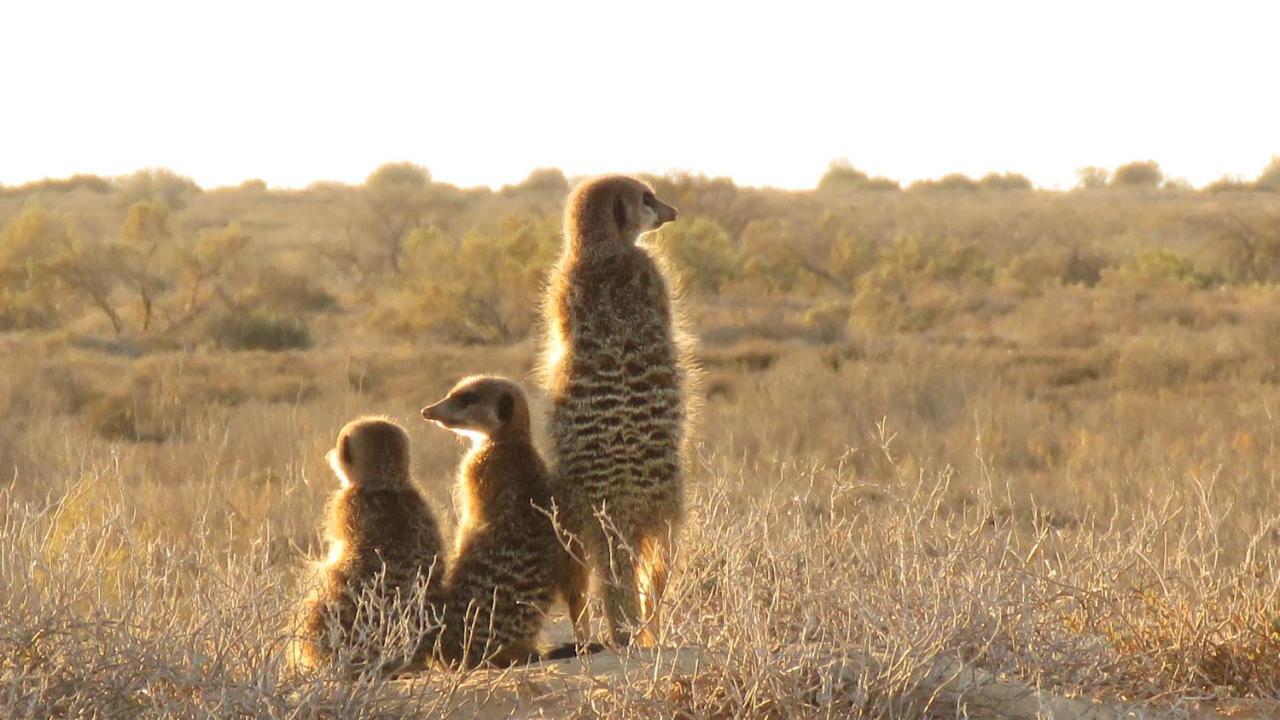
[657,554]
[576,590]
[621,594]
[581,554]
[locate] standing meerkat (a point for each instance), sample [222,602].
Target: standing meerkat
[507,563]
[384,546]
[617,371]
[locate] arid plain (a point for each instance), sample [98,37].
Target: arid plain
[966,448]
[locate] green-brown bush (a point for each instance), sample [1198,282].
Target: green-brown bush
[257,330]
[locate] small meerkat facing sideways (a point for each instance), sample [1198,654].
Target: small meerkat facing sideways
[617,369]
[385,559]
[507,562]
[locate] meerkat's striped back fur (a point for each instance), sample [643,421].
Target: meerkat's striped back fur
[617,371]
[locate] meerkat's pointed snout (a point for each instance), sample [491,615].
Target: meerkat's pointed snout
[431,413]
[666,213]
[456,411]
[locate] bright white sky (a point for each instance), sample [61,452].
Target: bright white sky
[483,92]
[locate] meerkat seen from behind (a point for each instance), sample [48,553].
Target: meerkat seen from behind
[507,563]
[617,371]
[385,557]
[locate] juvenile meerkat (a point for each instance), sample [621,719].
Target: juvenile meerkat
[385,550]
[617,370]
[507,561]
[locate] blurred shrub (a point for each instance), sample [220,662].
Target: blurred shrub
[769,257]
[157,185]
[70,391]
[1160,358]
[134,411]
[89,183]
[145,248]
[914,283]
[717,198]
[843,177]
[826,323]
[27,297]
[947,183]
[288,292]
[483,288]
[1269,180]
[1092,178]
[1038,268]
[1005,181]
[545,181]
[1229,183]
[910,257]
[396,200]
[851,256]
[114,417]
[1249,248]
[398,177]
[257,330]
[886,307]
[1148,268]
[702,253]
[211,262]
[1138,174]
[26,311]
[1062,318]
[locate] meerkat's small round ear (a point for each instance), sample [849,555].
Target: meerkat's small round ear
[344,450]
[506,406]
[620,211]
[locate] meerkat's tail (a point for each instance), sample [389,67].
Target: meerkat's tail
[569,650]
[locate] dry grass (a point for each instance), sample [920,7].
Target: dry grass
[1076,501]
[963,453]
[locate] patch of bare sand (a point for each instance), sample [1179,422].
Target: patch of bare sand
[663,678]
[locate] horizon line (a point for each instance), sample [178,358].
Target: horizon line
[1166,179]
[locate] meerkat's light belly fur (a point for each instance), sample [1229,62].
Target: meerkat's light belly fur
[618,412]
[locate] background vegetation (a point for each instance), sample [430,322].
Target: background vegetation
[967,420]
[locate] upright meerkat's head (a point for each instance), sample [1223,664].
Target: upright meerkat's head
[613,207]
[483,408]
[371,452]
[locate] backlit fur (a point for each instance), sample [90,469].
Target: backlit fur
[384,549]
[618,372]
[507,562]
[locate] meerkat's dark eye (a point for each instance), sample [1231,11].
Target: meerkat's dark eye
[649,199]
[467,398]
